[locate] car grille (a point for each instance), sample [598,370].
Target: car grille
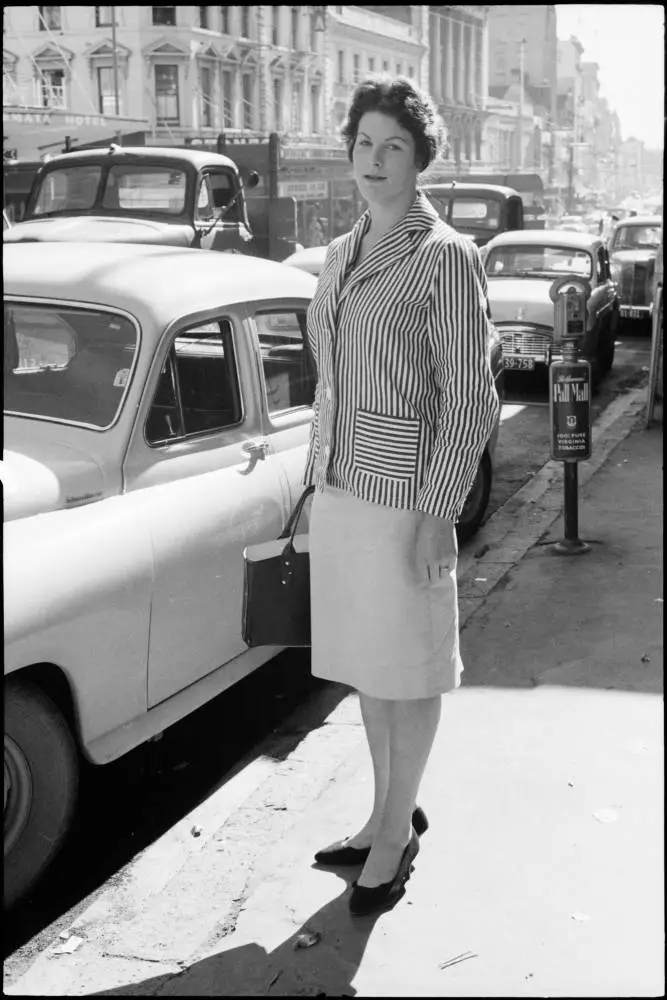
[526,342]
[636,284]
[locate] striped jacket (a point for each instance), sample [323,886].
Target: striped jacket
[405,399]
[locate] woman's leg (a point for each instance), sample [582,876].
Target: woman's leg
[412,728]
[376,714]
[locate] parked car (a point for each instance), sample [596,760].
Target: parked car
[312,261]
[157,414]
[521,267]
[138,194]
[633,246]
[478,211]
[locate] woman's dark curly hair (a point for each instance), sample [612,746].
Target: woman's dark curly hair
[412,108]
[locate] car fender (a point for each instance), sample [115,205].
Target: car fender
[78,595]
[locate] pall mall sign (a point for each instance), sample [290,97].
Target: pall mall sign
[570,410]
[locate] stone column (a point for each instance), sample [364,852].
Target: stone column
[460,83]
[485,63]
[444,57]
[468,76]
[449,59]
[434,24]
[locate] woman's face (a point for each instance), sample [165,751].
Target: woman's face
[383,159]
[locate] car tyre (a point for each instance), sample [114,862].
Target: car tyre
[41,782]
[606,350]
[477,500]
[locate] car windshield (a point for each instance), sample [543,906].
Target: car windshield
[537,261]
[471,212]
[66,364]
[126,187]
[636,237]
[68,189]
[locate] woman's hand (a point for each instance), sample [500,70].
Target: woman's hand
[436,548]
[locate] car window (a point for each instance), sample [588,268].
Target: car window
[198,390]
[68,189]
[636,237]
[601,265]
[476,212]
[289,372]
[67,364]
[145,189]
[205,200]
[517,261]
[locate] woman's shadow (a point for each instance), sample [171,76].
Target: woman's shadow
[321,958]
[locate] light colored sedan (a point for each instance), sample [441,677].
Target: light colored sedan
[158,402]
[521,268]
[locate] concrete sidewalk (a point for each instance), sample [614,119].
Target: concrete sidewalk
[542,871]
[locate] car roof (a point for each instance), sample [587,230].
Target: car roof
[309,255]
[467,188]
[640,220]
[548,237]
[147,281]
[197,157]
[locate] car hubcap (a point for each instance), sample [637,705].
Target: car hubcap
[18,793]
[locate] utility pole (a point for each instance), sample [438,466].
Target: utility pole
[115,60]
[520,121]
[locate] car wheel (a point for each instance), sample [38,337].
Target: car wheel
[477,501]
[41,780]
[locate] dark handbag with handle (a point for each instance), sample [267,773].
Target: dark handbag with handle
[276,592]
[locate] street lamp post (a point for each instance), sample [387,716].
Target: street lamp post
[115,60]
[520,122]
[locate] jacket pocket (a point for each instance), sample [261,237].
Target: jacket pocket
[385,445]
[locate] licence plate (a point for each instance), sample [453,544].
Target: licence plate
[521,364]
[632,313]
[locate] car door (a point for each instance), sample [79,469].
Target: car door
[605,294]
[202,467]
[288,377]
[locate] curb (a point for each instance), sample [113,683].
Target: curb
[523,519]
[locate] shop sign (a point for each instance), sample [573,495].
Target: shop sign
[303,189]
[312,153]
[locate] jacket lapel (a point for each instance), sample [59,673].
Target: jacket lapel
[399,242]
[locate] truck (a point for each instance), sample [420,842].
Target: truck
[139,194]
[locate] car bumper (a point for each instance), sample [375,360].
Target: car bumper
[636,312]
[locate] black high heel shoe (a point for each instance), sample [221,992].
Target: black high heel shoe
[357,855]
[365,901]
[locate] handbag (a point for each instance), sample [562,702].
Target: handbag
[276,588]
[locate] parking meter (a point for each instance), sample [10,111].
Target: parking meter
[570,379]
[570,398]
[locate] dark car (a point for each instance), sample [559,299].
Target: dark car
[478,211]
[633,246]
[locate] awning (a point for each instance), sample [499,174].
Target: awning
[33,133]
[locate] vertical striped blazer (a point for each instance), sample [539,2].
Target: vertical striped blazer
[405,399]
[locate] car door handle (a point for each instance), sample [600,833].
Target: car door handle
[255,449]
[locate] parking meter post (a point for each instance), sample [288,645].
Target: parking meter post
[569,403]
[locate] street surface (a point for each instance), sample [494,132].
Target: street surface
[127,805]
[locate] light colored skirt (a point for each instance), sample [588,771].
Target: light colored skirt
[373,626]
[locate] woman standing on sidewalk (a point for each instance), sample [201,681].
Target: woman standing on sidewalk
[405,404]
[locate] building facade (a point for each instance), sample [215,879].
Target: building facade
[363,40]
[185,70]
[508,24]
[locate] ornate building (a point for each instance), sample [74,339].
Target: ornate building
[183,70]
[458,82]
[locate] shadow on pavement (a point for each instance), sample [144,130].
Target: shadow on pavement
[327,968]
